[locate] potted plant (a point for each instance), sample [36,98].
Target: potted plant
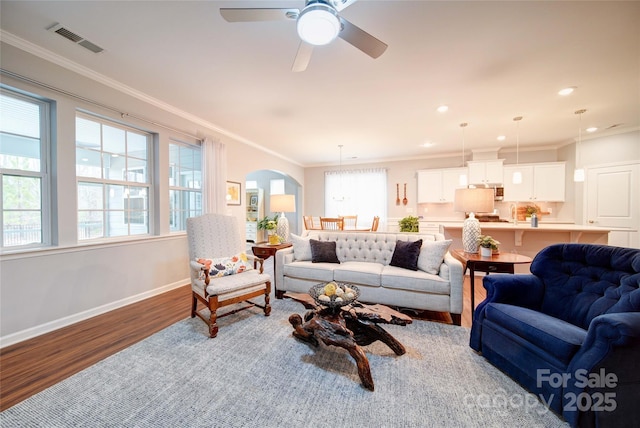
[270,224]
[409,224]
[488,245]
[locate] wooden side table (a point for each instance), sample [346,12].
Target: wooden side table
[264,250]
[497,263]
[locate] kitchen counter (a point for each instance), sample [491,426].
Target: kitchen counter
[523,239]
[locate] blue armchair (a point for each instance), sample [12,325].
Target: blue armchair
[569,332]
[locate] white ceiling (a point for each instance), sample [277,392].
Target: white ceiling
[488,61]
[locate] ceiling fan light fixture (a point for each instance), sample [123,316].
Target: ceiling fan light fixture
[318,24]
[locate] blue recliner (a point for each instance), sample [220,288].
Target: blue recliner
[569,332]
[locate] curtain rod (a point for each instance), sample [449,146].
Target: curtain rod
[90,101]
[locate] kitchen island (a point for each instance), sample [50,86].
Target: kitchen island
[523,239]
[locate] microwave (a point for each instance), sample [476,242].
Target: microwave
[498,193]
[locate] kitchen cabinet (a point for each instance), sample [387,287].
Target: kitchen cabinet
[542,182]
[438,185]
[486,171]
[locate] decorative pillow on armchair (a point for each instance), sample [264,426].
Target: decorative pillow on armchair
[432,255]
[224,266]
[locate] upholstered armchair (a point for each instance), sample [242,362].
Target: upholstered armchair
[569,332]
[222,274]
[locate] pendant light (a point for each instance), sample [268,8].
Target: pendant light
[517,174]
[578,173]
[462,180]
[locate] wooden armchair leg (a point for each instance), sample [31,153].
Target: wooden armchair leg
[194,304]
[267,300]
[213,317]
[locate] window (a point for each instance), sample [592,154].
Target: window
[114,186]
[185,184]
[276,186]
[24,148]
[358,192]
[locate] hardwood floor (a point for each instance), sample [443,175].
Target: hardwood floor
[29,367]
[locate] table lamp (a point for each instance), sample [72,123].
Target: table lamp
[472,200]
[283,204]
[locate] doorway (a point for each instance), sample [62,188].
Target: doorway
[612,196]
[266,179]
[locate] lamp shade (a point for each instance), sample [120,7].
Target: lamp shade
[282,203]
[473,200]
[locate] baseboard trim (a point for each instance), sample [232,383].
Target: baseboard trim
[30,333]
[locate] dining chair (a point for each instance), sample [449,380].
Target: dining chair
[350,221]
[331,223]
[374,225]
[308,222]
[221,271]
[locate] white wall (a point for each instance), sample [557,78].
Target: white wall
[46,289]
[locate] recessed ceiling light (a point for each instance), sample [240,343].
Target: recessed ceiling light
[566,91]
[427,144]
[442,108]
[502,137]
[592,129]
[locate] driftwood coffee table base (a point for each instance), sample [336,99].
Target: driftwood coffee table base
[349,327]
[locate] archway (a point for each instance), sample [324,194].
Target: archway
[259,184]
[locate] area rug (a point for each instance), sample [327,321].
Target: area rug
[256,374]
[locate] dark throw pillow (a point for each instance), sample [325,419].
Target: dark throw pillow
[323,251]
[406,254]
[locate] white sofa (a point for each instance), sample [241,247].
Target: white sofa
[364,261]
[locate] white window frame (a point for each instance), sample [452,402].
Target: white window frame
[124,180]
[43,175]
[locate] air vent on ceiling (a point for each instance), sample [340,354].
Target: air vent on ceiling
[75,38]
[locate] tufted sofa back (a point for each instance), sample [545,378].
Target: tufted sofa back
[583,281]
[368,247]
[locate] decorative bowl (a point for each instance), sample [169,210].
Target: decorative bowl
[318,290]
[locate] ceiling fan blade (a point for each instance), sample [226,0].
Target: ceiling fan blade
[361,39]
[341,4]
[303,56]
[251,15]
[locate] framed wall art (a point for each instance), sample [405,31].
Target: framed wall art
[234,190]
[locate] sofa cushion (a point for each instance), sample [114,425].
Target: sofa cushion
[406,254]
[323,251]
[404,279]
[432,255]
[359,273]
[301,248]
[555,336]
[309,270]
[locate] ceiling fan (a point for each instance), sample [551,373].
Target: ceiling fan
[318,24]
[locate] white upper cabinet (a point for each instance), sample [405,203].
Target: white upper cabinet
[486,171]
[438,185]
[543,182]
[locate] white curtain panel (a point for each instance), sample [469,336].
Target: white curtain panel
[214,173]
[361,192]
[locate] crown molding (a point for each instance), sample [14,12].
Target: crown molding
[54,58]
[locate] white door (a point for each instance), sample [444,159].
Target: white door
[612,200]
